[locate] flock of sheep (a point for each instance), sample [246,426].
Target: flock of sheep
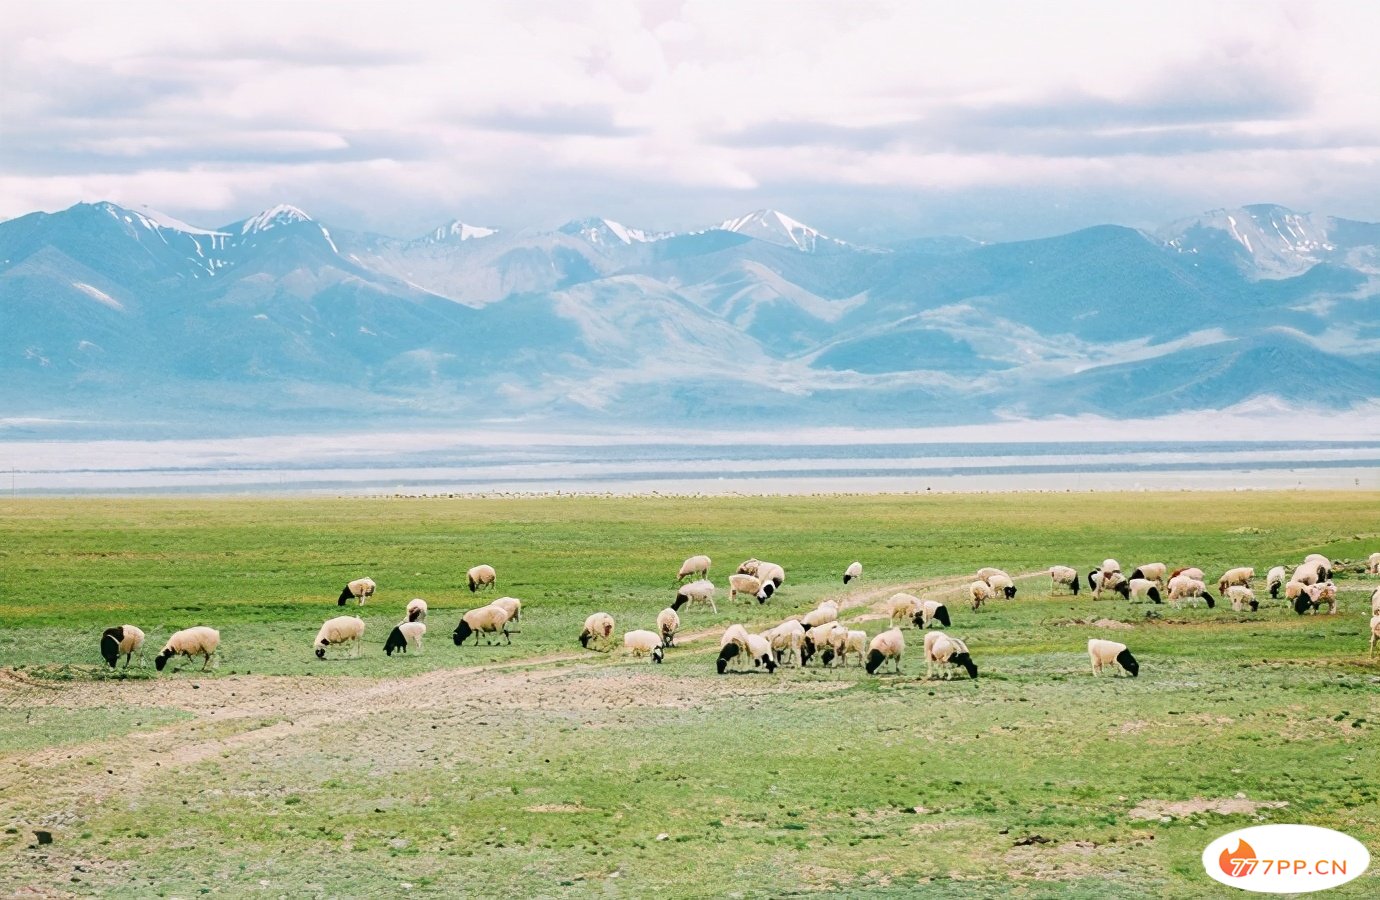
[798,639]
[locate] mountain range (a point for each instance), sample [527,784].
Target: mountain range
[111,315]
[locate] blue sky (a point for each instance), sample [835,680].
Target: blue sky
[870,120]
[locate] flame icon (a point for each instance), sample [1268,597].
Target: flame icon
[1238,862]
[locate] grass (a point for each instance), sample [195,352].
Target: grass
[541,770]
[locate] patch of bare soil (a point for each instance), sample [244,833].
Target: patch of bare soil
[1222,806]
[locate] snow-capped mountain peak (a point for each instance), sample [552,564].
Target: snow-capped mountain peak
[606,232]
[459,231]
[282,214]
[1278,242]
[777,228]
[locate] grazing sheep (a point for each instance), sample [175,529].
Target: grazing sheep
[598,628]
[1323,592]
[1373,564]
[887,645]
[1100,582]
[361,588]
[828,611]
[485,620]
[1241,575]
[749,566]
[482,576]
[737,644]
[854,570]
[902,606]
[979,592]
[1191,571]
[1241,597]
[1064,575]
[416,610]
[931,611]
[126,639]
[1139,589]
[1296,594]
[770,571]
[1321,563]
[1181,587]
[763,656]
[1110,653]
[403,635]
[512,605]
[340,630]
[641,642]
[1001,583]
[1109,566]
[695,565]
[787,640]
[701,591]
[817,638]
[948,652]
[189,642]
[668,623]
[842,642]
[1274,581]
[750,585]
[1154,571]
[1374,632]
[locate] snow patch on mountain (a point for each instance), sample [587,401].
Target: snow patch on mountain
[606,232]
[777,228]
[98,295]
[282,214]
[459,231]
[1277,242]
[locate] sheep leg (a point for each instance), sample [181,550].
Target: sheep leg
[506,636]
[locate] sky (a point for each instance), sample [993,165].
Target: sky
[872,121]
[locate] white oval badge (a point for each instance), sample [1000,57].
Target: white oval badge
[1285,859]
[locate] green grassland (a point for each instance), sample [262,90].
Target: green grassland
[540,769]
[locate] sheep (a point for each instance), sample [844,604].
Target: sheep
[641,642]
[931,611]
[1241,575]
[854,570]
[1274,581]
[1154,571]
[1296,594]
[482,576]
[1100,582]
[403,635]
[1064,575]
[1375,602]
[1139,589]
[948,652]
[788,640]
[1373,564]
[1322,563]
[189,642]
[1308,573]
[1109,566]
[512,605]
[126,639]
[668,623]
[770,571]
[751,585]
[763,656]
[827,611]
[816,638]
[1191,571]
[988,571]
[749,566]
[1374,632]
[701,591]
[887,645]
[979,592]
[695,565]
[1240,597]
[736,642]
[1323,592]
[361,588]
[416,610]
[598,628]
[842,642]
[902,606]
[1108,653]
[487,620]
[1001,582]
[1182,587]
[340,630]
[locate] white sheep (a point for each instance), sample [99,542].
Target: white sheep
[1002,584]
[1373,564]
[1275,580]
[122,639]
[1322,563]
[1109,566]
[1308,573]
[749,566]
[842,642]
[979,592]
[695,565]
[340,630]
[818,638]
[1154,571]
[1323,592]
[738,644]
[890,645]
[750,585]
[189,642]
[598,629]
[1241,597]
[481,576]
[770,571]
[827,611]
[853,571]
[404,635]
[668,623]
[901,606]
[416,610]
[1241,575]
[1110,653]
[1374,632]
[512,605]
[361,588]
[787,640]
[485,620]
[701,591]
[763,656]
[947,651]
[1181,587]
[1139,589]
[641,642]
[988,571]
[931,611]
[1065,575]
[1192,572]
[1100,582]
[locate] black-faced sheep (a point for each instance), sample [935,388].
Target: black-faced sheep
[1002,584]
[1321,563]
[1139,589]
[1241,597]
[668,623]
[482,576]
[189,642]
[737,644]
[416,610]
[1275,580]
[750,585]
[485,620]
[770,571]
[853,571]
[890,644]
[340,630]
[1108,653]
[817,638]
[947,651]
[843,642]
[640,642]
[404,635]
[1156,572]
[697,566]
[931,611]
[361,589]
[701,591]
[125,640]
[1065,575]
[598,629]
[1182,587]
